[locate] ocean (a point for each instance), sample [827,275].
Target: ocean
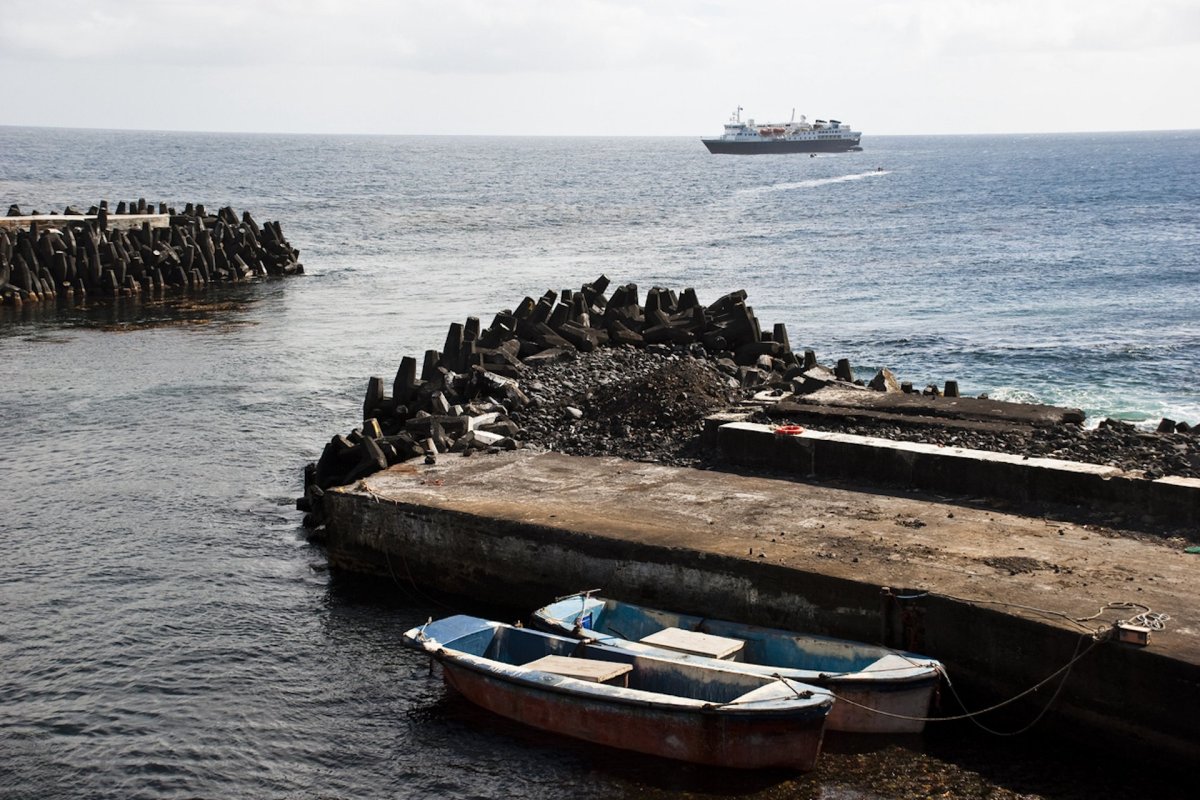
[169,632]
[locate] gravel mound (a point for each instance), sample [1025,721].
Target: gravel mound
[644,405]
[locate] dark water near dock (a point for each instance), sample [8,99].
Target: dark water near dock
[167,632]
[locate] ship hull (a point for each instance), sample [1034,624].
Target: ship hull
[765,147]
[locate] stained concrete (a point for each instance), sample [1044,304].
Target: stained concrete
[114,221]
[521,528]
[1172,501]
[900,405]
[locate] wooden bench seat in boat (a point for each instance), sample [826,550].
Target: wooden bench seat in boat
[584,669]
[696,643]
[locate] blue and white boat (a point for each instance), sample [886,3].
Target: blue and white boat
[879,690]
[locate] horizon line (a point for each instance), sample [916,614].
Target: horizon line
[564,135]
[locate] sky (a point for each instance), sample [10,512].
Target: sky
[600,67]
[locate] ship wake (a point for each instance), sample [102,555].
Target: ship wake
[813,182]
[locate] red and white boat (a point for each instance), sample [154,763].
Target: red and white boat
[700,713]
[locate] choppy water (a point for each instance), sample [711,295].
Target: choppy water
[168,633]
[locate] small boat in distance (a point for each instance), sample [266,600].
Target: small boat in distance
[819,136]
[706,714]
[879,690]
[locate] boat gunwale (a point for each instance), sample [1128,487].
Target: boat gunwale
[818,703]
[925,671]
[816,706]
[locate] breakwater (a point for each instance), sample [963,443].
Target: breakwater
[136,250]
[589,372]
[466,396]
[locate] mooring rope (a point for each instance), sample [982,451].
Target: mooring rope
[1064,670]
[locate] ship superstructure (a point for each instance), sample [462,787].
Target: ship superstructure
[745,137]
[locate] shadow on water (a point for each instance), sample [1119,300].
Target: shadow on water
[222,307]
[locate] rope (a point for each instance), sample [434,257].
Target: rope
[1146,618]
[1149,619]
[1066,672]
[1154,620]
[416,592]
[805,695]
[1063,670]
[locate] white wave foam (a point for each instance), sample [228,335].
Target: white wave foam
[1143,410]
[812,182]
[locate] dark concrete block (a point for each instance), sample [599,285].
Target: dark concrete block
[750,352]
[584,339]
[374,397]
[621,334]
[429,368]
[453,347]
[405,382]
[668,334]
[779,334]
[371,460]
[549,355]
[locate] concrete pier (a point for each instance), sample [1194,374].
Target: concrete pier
[991,594]
[120,222]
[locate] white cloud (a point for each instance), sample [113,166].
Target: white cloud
[599,66]
[961,27]
[456,36]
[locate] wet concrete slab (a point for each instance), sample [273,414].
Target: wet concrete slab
[992,594]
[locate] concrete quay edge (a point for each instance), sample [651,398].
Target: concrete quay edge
[113,221]
[518,529]
[1171,500]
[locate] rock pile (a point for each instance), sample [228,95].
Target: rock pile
[482,386]
[77,260]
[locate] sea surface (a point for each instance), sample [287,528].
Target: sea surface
[166,630]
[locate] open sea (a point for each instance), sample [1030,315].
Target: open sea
[167,632]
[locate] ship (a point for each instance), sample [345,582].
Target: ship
[819,136]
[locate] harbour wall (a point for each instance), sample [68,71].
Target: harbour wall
[517,554]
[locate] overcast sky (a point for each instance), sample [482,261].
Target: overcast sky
[600,67]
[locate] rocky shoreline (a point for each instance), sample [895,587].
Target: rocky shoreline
[587,373]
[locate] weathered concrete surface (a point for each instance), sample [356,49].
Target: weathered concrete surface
[114,221]
[959,470]
[957,408]
[521,528]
